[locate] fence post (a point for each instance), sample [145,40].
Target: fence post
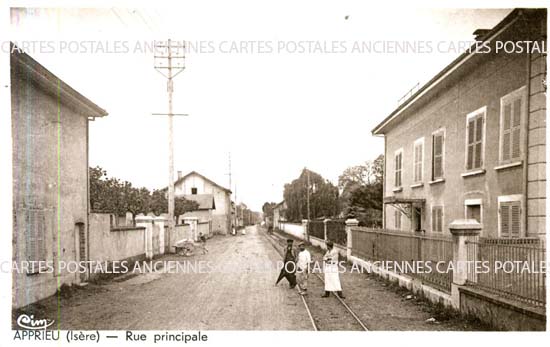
[350,223]
[161,222]
[147,223]
[463,230]
[193,226]
[325,227]
[306,230]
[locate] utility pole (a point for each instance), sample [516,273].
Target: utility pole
[308,216]
[169,62]
[231,224]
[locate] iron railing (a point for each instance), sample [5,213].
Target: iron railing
[427,258]
[316,229]
[510,268]
[336,232]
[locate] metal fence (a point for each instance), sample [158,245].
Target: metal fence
[336,232]
[317,229]
[511,268]
[424,257]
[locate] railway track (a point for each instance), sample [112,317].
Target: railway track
[329,316]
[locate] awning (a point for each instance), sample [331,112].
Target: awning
[399,200]
[403,204]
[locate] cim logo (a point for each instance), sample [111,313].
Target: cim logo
[28,322]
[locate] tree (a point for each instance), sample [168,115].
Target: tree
[323,197]
[111,195]
[159,203]
[362,190]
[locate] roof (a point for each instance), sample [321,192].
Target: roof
[203,177]
[205,201]
[443,74]
[22,63]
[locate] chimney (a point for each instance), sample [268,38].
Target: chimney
[179,175]
[480,33]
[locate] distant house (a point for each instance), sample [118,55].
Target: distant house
[214,200]
[471,143]
[50,177]
[278,213]
[204,212]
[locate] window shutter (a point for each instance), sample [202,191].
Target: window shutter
[418,149]
[30,236]
[471,144]
[434,219]
[505,219]
[506,125]
[437,156]
[516,129]
[35,237]
[515,223]
[420,160]
[440,218]
[479,142]
[437,218]
[398,169]
[416,163]
[396,183]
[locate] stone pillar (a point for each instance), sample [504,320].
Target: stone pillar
[463,231]
[306,230]
[350,224]
[147,223]
[161,222]
[193,225]
[325,227]
[535,141]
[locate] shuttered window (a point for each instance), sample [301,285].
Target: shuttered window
[397,219]
[474,159]
[437,218]
[35,241]
[510,219]
[512,109]
[398,168]
[437,155]
[418,160]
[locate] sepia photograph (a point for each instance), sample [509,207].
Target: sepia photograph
[176,172]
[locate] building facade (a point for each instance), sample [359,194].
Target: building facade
[278,214]
[196,184]
[471,143]
[50,178]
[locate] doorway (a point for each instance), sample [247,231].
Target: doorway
[417,219]
[81,247]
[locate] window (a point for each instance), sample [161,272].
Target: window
[473,209]
[512,110]
[35,242]
[194,191]
[398,167]
[397,219]
[437,218]
[438,145]
[509,209]
[475,134]
[418,159]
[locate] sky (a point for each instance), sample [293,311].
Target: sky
[247,92]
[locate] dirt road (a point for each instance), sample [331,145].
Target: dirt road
[230,300]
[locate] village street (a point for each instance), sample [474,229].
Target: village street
[244,300]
